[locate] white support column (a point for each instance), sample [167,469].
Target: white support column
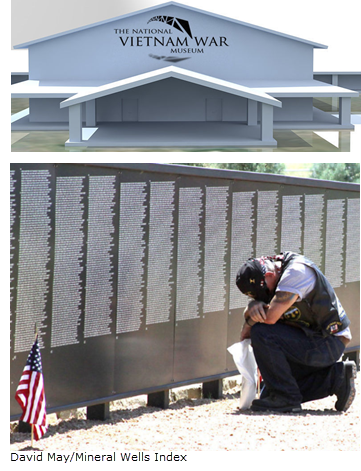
[75,123]
[266,122]
[345,111]
[252,112]
[90,113]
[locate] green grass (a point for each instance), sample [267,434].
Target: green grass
[298,170]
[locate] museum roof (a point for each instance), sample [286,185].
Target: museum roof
[156,7]
[170,72]
[37,89]
[298,88]
[256,89]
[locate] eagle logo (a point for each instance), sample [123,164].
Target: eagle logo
[177,23]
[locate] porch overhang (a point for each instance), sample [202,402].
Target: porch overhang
[171,72]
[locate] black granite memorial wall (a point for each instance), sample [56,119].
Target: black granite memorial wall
[128,270]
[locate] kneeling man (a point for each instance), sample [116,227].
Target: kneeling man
[298,331]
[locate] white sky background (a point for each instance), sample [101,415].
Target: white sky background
[336,24]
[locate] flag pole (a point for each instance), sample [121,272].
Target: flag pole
[32,425]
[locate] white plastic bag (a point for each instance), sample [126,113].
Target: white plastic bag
[243,357]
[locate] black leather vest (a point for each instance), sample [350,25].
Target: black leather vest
[321,310]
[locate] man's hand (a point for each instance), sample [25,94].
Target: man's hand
[257,311]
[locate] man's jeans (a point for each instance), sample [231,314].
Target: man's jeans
[294,365]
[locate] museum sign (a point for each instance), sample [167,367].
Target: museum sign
[169,39]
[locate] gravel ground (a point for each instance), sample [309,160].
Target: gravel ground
[202,425]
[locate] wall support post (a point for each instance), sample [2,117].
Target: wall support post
[159,399]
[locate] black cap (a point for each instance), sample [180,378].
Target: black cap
[251,280]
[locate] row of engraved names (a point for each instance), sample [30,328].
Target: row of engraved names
[201,274]
[69,285]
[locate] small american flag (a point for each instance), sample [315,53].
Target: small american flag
[30,393]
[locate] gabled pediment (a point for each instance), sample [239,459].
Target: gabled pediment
[166,73]
[158,14]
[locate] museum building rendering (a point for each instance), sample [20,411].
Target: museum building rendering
[173,75]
